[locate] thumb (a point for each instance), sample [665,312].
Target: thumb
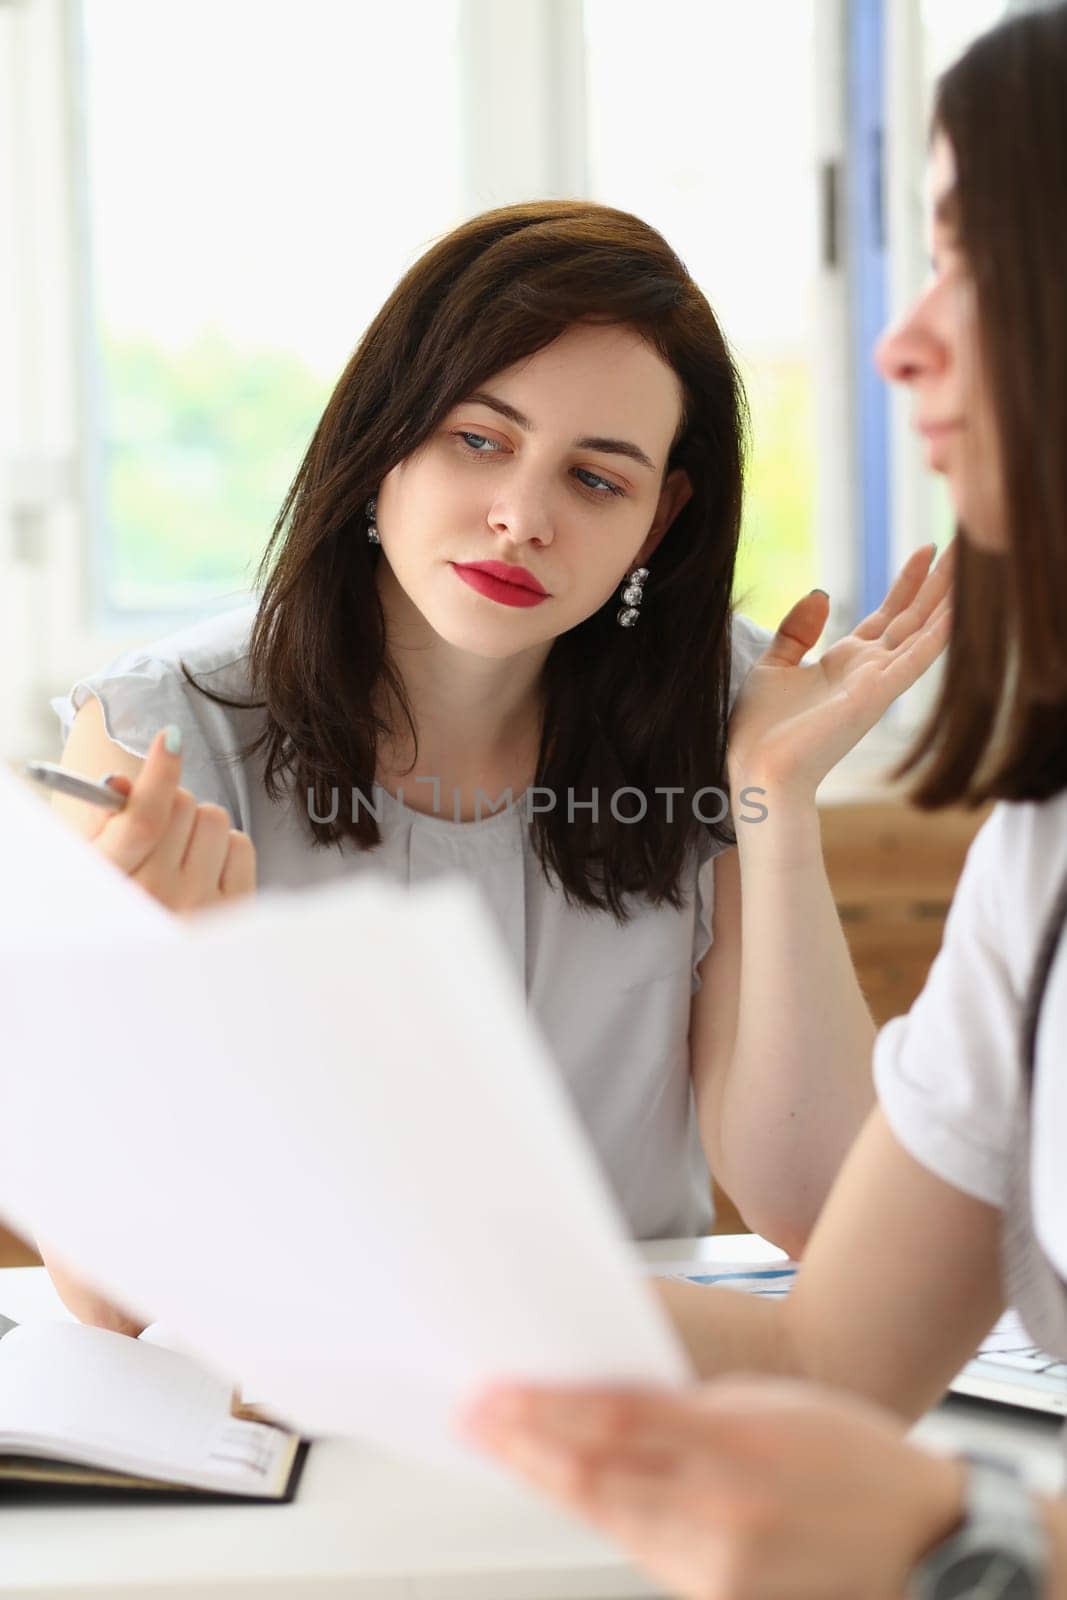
[799,630]
[96,824]
[133,833]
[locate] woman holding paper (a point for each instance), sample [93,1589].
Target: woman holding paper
[495,637]
[953,1202]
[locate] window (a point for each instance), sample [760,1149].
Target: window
[257,176]
[703,125]
[202,205]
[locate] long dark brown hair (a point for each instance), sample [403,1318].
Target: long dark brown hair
[644,707]
[999,729]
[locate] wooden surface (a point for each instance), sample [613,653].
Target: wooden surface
[15,1252]
[894,871]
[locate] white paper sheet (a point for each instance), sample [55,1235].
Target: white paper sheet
[56,890]
[340,1090]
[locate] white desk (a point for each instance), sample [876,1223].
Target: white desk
[367,1526]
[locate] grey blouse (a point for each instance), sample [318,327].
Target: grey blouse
[611,1002]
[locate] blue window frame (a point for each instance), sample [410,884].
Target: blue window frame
[866,242]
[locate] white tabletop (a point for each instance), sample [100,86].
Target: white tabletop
[367,1525]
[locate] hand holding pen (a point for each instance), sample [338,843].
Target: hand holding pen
[184,853]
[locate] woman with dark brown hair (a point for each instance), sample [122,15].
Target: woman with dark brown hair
[495,637]
[953,1202]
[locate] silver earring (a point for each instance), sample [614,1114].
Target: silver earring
[371,509]
[633,592]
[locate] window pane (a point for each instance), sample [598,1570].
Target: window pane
[243,162]
[704,126]
[949,26]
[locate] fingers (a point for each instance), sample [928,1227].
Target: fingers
[573,1443]
[205,856]
[200,860]
[565,1411]
[184,854]
[886,674]
[909,661]
[919,588]
[239,870]
[170,849]
[908,582]
[129,837]
[673,1524]
[906,592]
[648,1466]
[934,590]
[799,630]
[631,1423]
[99,820]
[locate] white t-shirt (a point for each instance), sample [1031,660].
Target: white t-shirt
[949,1073]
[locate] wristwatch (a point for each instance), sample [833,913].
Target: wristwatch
[1000,1552]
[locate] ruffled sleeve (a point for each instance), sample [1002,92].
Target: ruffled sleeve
[145,689]
[749,641]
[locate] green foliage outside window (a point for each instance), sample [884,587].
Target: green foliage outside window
[201,446]
[777,561]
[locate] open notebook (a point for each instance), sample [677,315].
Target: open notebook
[80,1406]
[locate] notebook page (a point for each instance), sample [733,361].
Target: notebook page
[89,1395]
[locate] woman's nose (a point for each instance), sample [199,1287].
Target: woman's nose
[905,349]
[522,512]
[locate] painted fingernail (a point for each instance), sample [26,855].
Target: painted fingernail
[821,591]
[107,778]
[172,739]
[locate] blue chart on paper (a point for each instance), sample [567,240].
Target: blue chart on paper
[768,1281]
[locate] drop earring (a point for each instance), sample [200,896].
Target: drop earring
[633,592]
[371,509]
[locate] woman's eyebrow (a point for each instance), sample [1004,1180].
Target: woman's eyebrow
[611,447]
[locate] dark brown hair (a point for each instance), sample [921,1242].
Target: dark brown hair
[999,729]
[644,707]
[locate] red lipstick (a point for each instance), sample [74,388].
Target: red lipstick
[509,586]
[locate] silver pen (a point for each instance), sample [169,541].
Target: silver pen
[64,782]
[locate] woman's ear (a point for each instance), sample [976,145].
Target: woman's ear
[676,491]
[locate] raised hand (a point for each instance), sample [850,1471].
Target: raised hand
[793,722]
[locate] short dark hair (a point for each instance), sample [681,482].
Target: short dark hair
[999,729]
[644,707]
